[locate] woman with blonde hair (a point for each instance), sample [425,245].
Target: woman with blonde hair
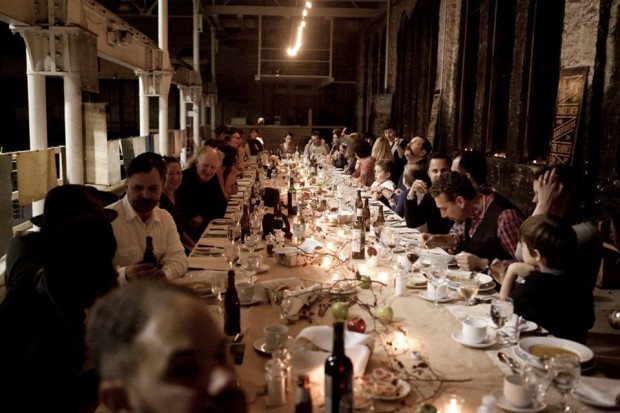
[381,150]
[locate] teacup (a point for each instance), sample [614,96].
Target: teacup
[440,291]
[275,336]
[246,291]
[404,262]
[516,392]
[474,330]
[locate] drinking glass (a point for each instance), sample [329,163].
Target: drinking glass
[392,238]
[565,370]
[437,275]
[251,241]
[501,311]
[219,283]
[413,254]
[468,288]
[234,233]
[537,382]
[281,302]
[232,253]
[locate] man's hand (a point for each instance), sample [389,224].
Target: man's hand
[195,222]
[135,272]
[419,186]
[433,241]
[470,262]
[549,193]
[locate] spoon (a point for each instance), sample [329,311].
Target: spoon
[509,361]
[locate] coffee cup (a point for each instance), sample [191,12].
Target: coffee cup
[404,262]
[246,291]
[474,330]
[275,336]
[516,392]
[440,291]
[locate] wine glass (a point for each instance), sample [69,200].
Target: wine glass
[234,233]
[537,381]
[251,242]
[501,311]
[565,370]
[219,284]
[468,288]
[413,254]
[232,253]
[392,239]
[281,302]
[437,275]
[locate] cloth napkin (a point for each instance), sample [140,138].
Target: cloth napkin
[261,288]
[301,297]
[602,390]
[358,348]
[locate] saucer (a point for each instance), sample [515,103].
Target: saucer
[259,346]
[500,401]
[444,299]
[458,337]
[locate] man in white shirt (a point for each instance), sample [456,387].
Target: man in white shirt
[138,217]
[317,147]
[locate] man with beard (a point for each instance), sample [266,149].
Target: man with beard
[489,230]
[157,349]
[139,216]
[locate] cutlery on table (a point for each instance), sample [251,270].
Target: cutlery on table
[514,365]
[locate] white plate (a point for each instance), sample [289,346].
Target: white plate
[416,281]
[263,268]
[585,354]
[428,256]
[458,337]
[200,284]
[500,401]
[527,326]
[259,345]
[403,389]
[424,294]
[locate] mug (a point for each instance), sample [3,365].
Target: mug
[275,336]
[246,291]
[474,330]
[516,392]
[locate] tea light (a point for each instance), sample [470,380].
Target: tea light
[383,276]
[400,342]
[331,246]
[362,269]
[327,262]
[454,404]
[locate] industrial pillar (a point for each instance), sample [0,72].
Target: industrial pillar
[162,20]
[144,105]
[73,128]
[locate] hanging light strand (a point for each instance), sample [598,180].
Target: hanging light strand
[292,50]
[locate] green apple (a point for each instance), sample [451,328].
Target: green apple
[340,311]
[427,408]
[365,282]
[385,314]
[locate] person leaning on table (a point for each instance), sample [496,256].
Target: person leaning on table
[140,216]
[156,349]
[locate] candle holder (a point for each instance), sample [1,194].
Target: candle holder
[454,404]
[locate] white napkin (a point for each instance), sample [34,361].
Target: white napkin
[301,297]
[602,390]
[357,347]
[260,289]
[309,245]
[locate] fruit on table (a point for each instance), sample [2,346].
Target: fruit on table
[385,314]
[356,324]
[365,282]
[340,311]
[427,408]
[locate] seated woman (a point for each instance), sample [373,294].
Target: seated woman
[383,186]
[338,158]
[381,150]
[288,147]
[228,173]
[170,202]
[545,287]
[364,174]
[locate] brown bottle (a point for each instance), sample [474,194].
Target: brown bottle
[366,215]
[359,204]
[149,256]
[232,308]
[380,217]
[303,400]
[245,221]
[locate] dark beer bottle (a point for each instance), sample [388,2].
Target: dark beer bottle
[338,376]
[303,400]
[292,198]
[149,256]
[232,308]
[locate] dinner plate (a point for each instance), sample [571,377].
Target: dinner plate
[200,284]
[428,256]
[458,337]
[527,326]
[416,281]
[261,269]
[445,299]
[403,389]
[259,346]
[524,345]
[501,402]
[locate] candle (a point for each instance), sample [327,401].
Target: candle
[327,262]
[454,404]
[362,269]
[400,342]
[383,276]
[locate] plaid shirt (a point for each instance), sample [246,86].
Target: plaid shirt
[508,223]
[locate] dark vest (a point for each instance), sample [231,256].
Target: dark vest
[485,242]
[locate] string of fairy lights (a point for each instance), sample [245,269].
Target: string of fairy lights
[292,50]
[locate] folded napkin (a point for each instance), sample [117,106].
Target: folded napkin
[300,297]
[602,390]
[214,243]
[309,245]
[261,288]
[357,347]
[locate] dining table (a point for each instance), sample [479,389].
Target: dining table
[417,345]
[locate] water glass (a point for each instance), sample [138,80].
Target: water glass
[501,311]
[234,233]
[565,371]
[219,284]
[537,382]
[468,288]
[251,242]
[232,253]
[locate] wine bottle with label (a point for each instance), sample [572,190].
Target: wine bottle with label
[149,256]
[358,239]
[366,215]
[292,198]
[338,376]
[359,204]
[232,308]
[299,226]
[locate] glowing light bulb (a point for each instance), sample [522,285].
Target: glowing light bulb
[308,5]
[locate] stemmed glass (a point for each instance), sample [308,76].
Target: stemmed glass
[437,275]
[565,370]
[413,254]
[281,302]
[392,238]
[537,381]
[501,311]
[468,288]
[234,233]
[250,267]
[232,253]
[219,284]
[251,242]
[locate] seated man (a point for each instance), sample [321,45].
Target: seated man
[473,165]
[547,288]
[317,147]
[420,207]
[201,193]
[139,216]
[254,145]
[42,320]
[490,227]
[156,349]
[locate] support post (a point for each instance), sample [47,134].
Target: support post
[73,128]
[144,106]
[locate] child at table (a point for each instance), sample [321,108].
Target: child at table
[544,287]
[383,186]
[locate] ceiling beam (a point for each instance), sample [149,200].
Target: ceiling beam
[291,11]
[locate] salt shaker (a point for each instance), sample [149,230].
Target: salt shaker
[276,384]
[283,357]
[400,288]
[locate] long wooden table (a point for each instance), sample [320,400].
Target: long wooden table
[466,372]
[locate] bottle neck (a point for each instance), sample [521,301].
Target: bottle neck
[338,339]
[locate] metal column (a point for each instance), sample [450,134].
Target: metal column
[73,128]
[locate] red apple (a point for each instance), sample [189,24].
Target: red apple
[356,324]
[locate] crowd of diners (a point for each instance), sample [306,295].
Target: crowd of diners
[86,322]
